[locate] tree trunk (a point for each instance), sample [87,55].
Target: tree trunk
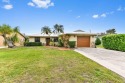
[7,41]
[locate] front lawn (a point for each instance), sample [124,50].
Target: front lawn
[49,65]
[99,46]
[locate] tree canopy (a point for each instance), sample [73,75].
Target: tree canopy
[111,31]
[7,30]
[58,28]
[46,30]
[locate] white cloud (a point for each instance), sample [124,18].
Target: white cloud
[42,3]
[121,8]
[31,4]
[78,17]
[103,15]
[112,12]
[95,16]
[8,7]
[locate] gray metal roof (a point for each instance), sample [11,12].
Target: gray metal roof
[79,31]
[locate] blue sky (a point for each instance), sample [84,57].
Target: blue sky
[94,15]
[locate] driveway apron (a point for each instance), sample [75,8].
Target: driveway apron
[113,60]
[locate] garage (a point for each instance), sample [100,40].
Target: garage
[83,41]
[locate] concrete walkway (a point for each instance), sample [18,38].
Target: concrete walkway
[3,46]
[113,60]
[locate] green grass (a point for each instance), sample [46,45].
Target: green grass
[99,46]
[48,65]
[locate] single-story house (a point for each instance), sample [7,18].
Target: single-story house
[44,38]
[82,38]
[19,43]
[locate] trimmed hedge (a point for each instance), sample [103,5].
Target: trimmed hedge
[33,44]
[114,42]
[97,41]
[72,44]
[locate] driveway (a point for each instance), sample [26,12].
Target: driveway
[113,60]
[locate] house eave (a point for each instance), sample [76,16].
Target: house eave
[42,36]
[89,34]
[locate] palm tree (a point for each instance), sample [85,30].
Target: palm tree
[14,38]
[58,28]
[46,30]
[4,31]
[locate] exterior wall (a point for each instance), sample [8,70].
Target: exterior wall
[43,40]
[20,43]
[1,41]
[73,38]
[21,40]
[92,41]
[31,39]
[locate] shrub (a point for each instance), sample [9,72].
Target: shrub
[33,44]
[51,43]
[97,41]
[114,42]
[60,43]
[72,44]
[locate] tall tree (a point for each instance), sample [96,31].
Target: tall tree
[58,28]
[46,30]
[111,31]
[9,34]
[14,38]
[4,31]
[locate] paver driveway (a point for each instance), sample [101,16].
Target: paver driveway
[113,60]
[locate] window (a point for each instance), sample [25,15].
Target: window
[37,39]
[55,39]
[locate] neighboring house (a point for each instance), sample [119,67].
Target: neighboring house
[19,43]
[82,38]
[100,35]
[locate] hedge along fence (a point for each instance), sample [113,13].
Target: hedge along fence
[114,42]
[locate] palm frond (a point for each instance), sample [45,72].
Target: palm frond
[5,29]
[58,28]
[46,30]
[16,29]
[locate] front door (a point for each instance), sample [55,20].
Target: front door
[47,41]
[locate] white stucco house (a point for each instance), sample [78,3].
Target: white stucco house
[44,38]
[82,38]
